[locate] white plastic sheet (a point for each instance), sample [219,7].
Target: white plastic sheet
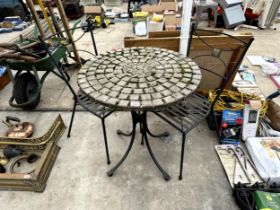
[265,153]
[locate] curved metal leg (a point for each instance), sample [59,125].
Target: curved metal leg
[142,136]
[105,141]
[165,134]
[182,156]
[120,132]
[163,172]
[111,172]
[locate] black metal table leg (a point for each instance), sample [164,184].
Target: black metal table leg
[145,130]
[134,122]
[140,118]
[142,136]
[164,134]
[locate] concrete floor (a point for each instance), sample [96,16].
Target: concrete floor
[78,179]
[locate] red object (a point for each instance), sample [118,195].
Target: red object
[225,125]
[250,15]
[275,79]
[246,101]
[220,10]
[239,121]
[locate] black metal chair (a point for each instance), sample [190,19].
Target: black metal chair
[82,99]
[187,114]
[184,116]
[97,110]
[88,104]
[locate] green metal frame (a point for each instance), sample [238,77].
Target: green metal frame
[45,64]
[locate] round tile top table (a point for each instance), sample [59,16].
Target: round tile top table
[139,78]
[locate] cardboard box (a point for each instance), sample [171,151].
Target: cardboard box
[4,80]
[171,6]
[170,19]
[170,27]
[160,8]
[93,10]
[172,23]
[178,21]
[273,114]
[152,9]
[167,1]
[154,26]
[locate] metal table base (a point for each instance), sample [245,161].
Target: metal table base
[141,118]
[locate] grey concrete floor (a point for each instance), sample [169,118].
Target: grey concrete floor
[78,179]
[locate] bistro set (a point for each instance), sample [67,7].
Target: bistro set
[149,79]
[141,80]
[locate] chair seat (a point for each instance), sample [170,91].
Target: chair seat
[92,106]
[186,114]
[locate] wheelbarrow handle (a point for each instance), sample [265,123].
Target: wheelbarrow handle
[19,57]
[11,118]
[8,46]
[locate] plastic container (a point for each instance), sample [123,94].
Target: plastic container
[155,26]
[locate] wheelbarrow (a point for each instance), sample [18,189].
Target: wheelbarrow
[26,82]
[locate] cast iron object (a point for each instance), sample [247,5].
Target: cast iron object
[10,152]
[2,169]
[32,158]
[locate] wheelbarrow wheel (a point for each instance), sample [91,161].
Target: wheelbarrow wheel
[25,89]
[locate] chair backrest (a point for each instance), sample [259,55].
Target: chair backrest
[212,56]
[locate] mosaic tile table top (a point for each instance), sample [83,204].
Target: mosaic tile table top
[139,78]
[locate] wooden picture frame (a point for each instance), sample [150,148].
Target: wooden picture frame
[209,81]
